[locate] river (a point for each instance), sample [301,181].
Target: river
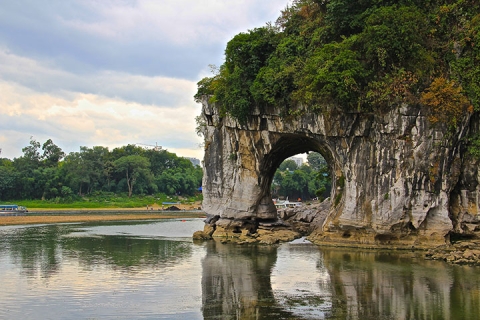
[153,270]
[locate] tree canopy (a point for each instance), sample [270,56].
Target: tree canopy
[306,182]
[134,167]
[129,169]
[360,56]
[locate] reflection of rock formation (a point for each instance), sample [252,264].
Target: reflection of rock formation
[236,281]
[300,281]
[369,285]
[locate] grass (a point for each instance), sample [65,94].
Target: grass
[105,200]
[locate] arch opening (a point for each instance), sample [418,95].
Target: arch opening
[287,146]
[302,178]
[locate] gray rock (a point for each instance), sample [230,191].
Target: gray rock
[397,178]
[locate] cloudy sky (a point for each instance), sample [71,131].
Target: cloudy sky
[113,72]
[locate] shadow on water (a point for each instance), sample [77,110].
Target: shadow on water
[148,274]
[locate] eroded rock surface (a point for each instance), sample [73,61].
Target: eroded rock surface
[398,179]
[461,252]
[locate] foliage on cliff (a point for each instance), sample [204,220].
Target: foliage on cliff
[360,56]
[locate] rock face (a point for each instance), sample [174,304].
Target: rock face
[397,179]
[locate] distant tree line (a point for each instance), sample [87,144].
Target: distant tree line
[46,172]
[304,182]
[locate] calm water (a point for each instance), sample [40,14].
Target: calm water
[152,270]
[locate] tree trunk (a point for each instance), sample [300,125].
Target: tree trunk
[129,185]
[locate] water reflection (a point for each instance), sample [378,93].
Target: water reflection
[152,270]
[93,271]
[126,253]
[34,249]
[395,285]
[301,282]
[236,281]
[305,282]
[41,249]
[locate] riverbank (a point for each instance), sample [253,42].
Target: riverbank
[76,215]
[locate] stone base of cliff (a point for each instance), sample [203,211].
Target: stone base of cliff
[464,252]
[308,221]
[263,234]
[361,239]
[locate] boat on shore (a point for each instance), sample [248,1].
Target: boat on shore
[12,210]
[279,204]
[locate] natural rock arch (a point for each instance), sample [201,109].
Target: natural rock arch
[393,173]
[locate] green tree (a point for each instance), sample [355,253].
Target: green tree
[245,55]
[52,154]
[133,166]
[96,166]
[363,56]
[47,182]
[25,166]
[9,178]
[88,169]
[74,172]
[306,181]
[316,161]
[31,157]
[288,165]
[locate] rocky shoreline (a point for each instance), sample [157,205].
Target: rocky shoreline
[462,252]
[264,233]
[306,221]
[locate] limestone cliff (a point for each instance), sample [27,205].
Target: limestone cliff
[398,179]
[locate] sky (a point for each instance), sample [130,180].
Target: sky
[113,72]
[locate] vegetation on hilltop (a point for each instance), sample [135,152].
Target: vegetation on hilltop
[360,56]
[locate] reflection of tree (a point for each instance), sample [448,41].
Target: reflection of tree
[236,282]
[35,248]
[369,285]
[43,248]
[126,251]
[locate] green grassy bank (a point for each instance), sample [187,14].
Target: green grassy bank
[110,201]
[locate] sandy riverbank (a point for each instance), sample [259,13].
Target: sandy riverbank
[151,208]
[75,215]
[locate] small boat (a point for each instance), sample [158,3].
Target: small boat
[286,204]
[12,210]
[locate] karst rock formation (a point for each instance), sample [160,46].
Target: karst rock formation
[397,178]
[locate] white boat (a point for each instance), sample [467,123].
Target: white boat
[279,204]
[12,209]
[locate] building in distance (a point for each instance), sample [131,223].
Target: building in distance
[194,161]
[298,161]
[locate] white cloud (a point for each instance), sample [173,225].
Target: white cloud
[144,89]
[88,119]
[179,22]
[113,72]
